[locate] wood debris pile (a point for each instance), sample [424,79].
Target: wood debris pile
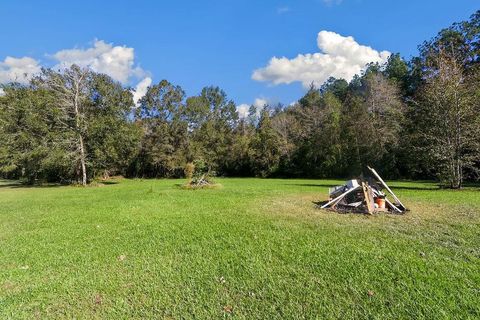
[364,196]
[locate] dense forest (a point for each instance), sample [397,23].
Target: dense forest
[417,119]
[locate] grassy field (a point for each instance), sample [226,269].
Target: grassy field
[253,249]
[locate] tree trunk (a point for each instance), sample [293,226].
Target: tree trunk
[82,160]
[81,146]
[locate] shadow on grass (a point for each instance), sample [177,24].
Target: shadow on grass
[319,185]
[22,185]
[9,185]
[108,182]
[15,184]
[351,211]
[318,204]
[470,187]
[393,186]
[414,188]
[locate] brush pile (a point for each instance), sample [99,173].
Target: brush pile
[364,196]
[199,176]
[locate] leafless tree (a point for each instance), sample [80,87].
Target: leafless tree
[72,100]
[385,110]
[372,122]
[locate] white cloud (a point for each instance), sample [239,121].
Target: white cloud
[340,57]
[243,110]
[115,61]
[18,69]
[141,89]
[2,92]
[259,104]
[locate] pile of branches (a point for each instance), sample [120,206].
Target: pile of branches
[199,175]
[364,195]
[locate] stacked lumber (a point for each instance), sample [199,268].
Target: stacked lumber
[364,196]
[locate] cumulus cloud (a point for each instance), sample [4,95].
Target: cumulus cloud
[141,89]
[116,61]
[259,104]
[18,69]
[243,110]
[340,57]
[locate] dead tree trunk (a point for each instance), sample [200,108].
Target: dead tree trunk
[79,130]
[82,161]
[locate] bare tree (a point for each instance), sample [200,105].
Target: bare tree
[72,93]
[385,110]
[284,123]
[372,122]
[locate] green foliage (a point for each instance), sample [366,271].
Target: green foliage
[202,171]
[46,136]
[448,115]
[212,118]
[112,141]
[396,70]
[264,146]
[164,147]
[337,87]
[74,125]
[30,142]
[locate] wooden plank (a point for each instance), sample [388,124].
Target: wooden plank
[340,197]
[368,198]
[386,187]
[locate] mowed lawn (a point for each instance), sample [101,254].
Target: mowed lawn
[253,249]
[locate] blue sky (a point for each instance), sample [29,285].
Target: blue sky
[199,43]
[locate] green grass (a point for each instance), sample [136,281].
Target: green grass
[253,249]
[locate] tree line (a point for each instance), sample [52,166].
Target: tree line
[410,119]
